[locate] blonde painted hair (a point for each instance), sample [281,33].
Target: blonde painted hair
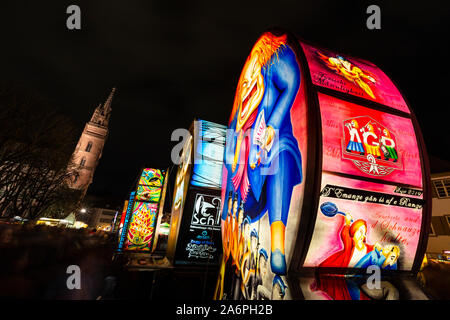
[264,49]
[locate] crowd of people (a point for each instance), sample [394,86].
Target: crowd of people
[35,261]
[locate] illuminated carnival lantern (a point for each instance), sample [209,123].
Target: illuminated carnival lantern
[195,229]
[326,163]
[142,212]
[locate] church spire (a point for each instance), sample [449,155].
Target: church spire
[107,105]
[89,149]
[103,112]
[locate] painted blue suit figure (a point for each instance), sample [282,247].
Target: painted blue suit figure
[262,158]
[384,259]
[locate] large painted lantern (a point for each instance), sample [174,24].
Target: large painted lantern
[143,211]
[325,172]
[194,238]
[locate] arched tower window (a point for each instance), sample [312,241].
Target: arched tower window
[83,161]
[89,146]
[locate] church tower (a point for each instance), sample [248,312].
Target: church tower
[90,146]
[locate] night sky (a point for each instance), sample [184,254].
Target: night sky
[172,61]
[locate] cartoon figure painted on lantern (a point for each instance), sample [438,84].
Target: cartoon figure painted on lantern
[388,146]
[353,236]
[370,145]
[385,258]
[248,268]
[356,253]
[355,141]
[349,71]
[237,248]
[369,137]
[262,277]
[262,158]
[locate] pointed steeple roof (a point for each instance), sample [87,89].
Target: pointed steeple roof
[103,112]
[107,104]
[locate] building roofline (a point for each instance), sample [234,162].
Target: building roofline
[440,175]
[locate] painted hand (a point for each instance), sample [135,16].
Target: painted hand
[269,137]
[348,219]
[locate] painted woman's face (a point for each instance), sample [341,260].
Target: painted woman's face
[247,230]
[240,216]
[391,258]
[360,234]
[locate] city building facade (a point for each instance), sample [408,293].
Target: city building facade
[103,218]
[439,239]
